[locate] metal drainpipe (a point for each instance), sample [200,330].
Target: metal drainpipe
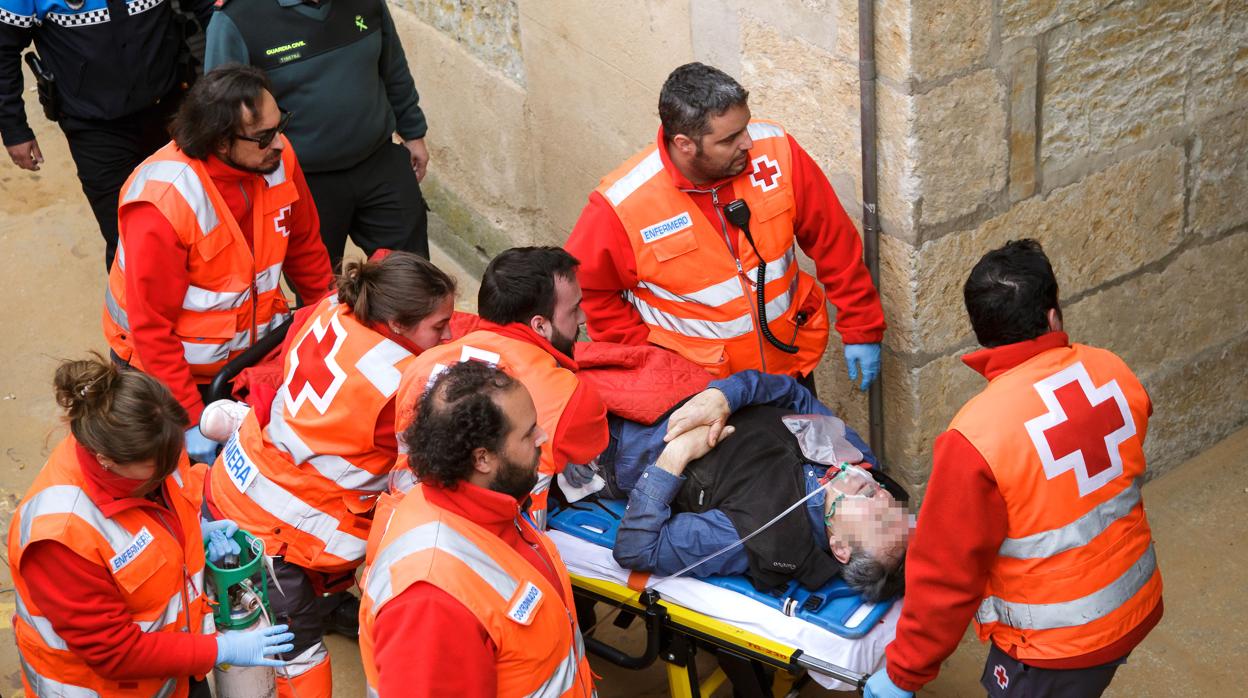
[870,194]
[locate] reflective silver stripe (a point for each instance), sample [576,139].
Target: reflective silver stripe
[120,257]
[269,279]
[277,176]
[298,513]
[333,468]
[42,625]
[167,617]
[115,311]
[641,173]
[68,499]
[44,686]
[202,300]
[204,354]
[564,675]
[710,329]
[447,540]
[379,366]
[184,179]
[725,291]
[167,689]
[760,131]
[1081,611]
[370,692]
[1077,533]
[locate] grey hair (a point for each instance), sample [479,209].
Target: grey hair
[872,578]
[692,94]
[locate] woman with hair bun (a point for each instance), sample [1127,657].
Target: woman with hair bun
[106,551]
[306,476]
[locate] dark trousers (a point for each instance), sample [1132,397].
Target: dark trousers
[377,203]
[1006,677]
[107,151]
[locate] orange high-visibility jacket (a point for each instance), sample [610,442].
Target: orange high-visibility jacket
[160,579]
[1063,434]
[550,385]
[310,478]
[695,297]
[540,650]
[234,297]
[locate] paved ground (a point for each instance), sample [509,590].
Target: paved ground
[51,251]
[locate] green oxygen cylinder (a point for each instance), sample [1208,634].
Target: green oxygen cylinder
[239,587]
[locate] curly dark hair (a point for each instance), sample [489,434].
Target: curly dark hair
[457,415]
[212,112]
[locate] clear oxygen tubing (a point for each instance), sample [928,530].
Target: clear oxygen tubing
[619,606]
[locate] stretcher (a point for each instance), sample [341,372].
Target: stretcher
[764,644]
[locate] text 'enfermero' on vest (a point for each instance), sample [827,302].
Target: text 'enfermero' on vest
[138,544]
[671,226]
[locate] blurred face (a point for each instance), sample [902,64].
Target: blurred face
[719,154]
[258,147]
[565,324]
[515,473]
[861,515]
[431,331]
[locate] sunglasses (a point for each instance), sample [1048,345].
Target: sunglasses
[265,139]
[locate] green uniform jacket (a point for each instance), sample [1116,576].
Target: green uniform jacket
[337,66]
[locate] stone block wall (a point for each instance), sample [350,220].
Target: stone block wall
[1114,131]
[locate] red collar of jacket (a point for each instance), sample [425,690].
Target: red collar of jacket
[222,172]
[994,361]
[383,329]
[524,333]
[112,493]
[678,178]
[494,511]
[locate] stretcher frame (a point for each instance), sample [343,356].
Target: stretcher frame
[675,633]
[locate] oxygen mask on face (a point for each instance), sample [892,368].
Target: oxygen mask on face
[849,482]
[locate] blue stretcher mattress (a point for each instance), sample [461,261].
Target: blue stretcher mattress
[829,608]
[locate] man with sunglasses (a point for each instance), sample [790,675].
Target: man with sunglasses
[689,497]
[339,65]
[209,224]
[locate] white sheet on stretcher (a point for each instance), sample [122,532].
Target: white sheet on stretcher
[864,655]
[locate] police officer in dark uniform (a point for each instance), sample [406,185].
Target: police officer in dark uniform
[112,73]
[338,67]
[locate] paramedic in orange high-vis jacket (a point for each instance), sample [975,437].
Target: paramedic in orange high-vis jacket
[210,224]
[304,475]
[530,306]
[456,571]
[107,552]
[1033,524]
[664,261]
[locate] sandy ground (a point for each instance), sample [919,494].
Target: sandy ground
[51,250]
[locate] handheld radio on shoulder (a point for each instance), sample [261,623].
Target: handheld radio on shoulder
[738,213]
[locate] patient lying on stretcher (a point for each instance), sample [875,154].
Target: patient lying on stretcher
[687,499]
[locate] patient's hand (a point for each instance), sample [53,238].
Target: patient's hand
[688,447]
[708,408]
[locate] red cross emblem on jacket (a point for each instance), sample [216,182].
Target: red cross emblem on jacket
[766,173]
[314,374]
[1003,679]
[1083,429]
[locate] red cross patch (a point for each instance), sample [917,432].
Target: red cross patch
[315,375]
[1083,429]
[766,173]
[1003,679]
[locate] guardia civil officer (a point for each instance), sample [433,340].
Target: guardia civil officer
[112,75]
[339,66]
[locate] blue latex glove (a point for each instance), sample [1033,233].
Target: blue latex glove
[255,647]
[199,447]
[865,357]
[880,686]
[218,536]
